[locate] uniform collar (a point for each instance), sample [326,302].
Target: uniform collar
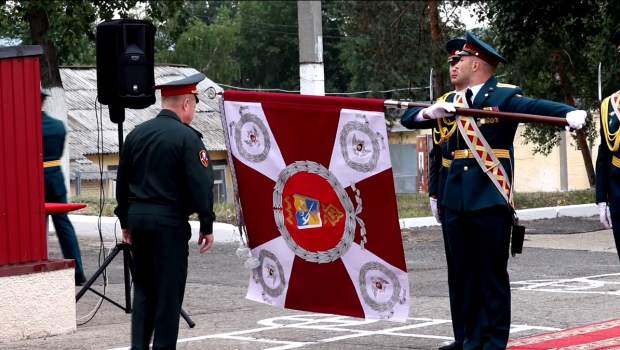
[170,114]
[488,86]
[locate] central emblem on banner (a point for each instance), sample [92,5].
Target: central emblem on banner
[323,215]
[307,212]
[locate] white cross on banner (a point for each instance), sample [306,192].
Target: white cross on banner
[315,188]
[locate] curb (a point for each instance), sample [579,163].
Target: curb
[580,210]
[87,226]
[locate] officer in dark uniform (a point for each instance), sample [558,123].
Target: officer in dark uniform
[54,134]
[478,214]
[164,176]
[608,160]
[439,162]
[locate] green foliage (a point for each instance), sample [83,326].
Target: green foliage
[554,48]
[73,23]
[386,45]
[207,48]
[268,44]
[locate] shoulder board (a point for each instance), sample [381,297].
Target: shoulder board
[502,85]
[443,98]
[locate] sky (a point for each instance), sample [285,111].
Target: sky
[470,20]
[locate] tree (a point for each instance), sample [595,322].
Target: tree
[208,48]
[388,44]
[550,46]
[58,25]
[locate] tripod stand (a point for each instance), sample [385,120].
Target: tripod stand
[118,116]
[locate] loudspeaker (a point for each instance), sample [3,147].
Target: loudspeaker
[125,63]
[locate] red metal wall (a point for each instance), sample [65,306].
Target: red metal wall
[22,198]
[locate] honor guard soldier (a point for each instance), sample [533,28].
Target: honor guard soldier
[439,162]
[477,200]
[164,176]
[608,160]
[54,134]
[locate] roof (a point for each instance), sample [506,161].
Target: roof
[80,86]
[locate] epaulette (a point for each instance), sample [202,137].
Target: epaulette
[196,131]
[510,86]
[443,98]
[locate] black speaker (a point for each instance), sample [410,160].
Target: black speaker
[125,63]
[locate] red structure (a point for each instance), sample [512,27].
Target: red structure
[22,198]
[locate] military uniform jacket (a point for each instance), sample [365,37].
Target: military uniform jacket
[164,163]
[54,134]
[437,172]
[468,188]
[608,159]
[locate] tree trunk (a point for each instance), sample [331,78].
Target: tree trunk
[39,26]
[570,100]
[56,104]
[435,50]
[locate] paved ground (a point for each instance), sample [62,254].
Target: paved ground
[569,275]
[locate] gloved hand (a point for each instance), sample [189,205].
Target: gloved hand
[440,109]
[603,212]
[435,209]
[576,119]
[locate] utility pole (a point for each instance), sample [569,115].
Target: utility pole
[311,76]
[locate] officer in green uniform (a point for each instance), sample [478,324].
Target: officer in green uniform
[164,176]
[608,160]
[477,212]
[439,162]
[54,134]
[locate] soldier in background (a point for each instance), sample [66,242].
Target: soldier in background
[608,160]
[439,162]
[54,134]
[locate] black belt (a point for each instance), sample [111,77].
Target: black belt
[141,207]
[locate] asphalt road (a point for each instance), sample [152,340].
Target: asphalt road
[567,276]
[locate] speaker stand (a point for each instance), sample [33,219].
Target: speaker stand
[117,115]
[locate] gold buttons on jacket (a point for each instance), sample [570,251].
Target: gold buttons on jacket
[452,153]
[465,168]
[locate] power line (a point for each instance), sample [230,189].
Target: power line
[327,93]
[268,24]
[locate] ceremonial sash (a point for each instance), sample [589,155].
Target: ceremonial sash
[483,153]
[612,139]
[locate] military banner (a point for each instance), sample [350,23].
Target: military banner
[315,189]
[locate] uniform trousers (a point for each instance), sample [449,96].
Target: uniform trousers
[479,244]
[67,239]
[159,246]
[458,324]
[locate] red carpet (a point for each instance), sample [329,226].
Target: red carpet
[604,335]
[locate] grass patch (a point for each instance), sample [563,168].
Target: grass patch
[409,205]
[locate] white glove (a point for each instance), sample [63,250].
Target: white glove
[434,209]
[440,109]
[603,212]
[576,119]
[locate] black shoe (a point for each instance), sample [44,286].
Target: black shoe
[80,279]
[455,345]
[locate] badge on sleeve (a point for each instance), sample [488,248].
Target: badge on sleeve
[203,158]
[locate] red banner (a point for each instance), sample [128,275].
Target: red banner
[316,192]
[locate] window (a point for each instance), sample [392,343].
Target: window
[404,167]
[219,184]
